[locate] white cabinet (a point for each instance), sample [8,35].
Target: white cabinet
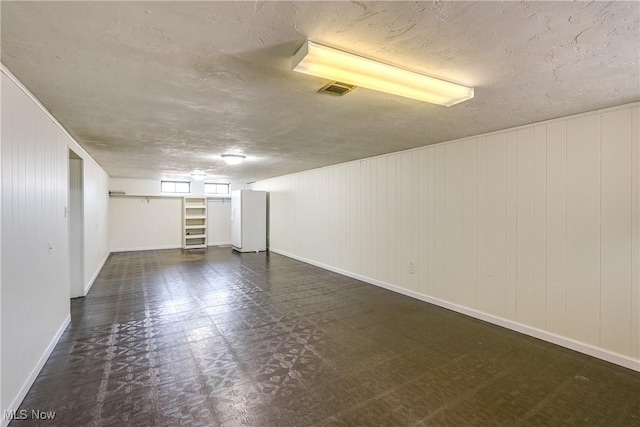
[249,220]
[194,223]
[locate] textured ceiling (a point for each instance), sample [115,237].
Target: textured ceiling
[159,89]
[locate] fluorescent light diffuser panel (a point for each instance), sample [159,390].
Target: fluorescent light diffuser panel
[332,64]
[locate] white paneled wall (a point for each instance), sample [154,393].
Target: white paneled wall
[534,228]
[218,222]
[96,221]
[35,253]
[145,223]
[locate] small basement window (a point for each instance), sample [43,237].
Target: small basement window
[214,188]
[175,187]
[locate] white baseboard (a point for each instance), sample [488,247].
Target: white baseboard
[578,346]
[157,248]
[95,275]
[146,248]
[19,397]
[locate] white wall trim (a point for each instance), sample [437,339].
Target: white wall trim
[19,397]
[219,244]
[587,349]
[147,248]
[88,286]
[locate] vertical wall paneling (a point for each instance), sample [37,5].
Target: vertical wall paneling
[616,233]
[323,235]
[525,239]
[635,229]
[307,241]
[392,231]
[374,236]
[496,225]
[583,229]
[356,217]
[365,209]
[431,215]
[423,221]
[382,211]
[510,276]
[308,211]
[330,217]
[297,202]
[353,213]
[481,290]
[469,222]
[535,228]
[401,247]
[345,222]
[299,243]
[340,232]
[318,194]
[453,222]
[405,204]
[415,220]
[439,222]
[540,228]
[556,257]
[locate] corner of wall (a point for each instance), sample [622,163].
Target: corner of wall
[93,278]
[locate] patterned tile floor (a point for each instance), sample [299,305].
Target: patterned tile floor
[213,337]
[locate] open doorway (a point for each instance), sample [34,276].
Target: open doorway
[76,225]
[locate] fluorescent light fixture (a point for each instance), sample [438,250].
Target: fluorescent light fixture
[322,61]
[198,175]
[233,159]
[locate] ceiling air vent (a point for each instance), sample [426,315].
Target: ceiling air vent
[336,88]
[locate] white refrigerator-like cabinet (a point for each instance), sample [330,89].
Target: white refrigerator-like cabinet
[249,220]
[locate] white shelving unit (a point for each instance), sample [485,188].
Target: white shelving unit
[194,235]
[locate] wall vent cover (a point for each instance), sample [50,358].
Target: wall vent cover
[336,88]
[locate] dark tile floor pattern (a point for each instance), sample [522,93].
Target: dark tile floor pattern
[217,338]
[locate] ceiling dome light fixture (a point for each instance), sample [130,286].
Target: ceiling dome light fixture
[233,159]
[198,175]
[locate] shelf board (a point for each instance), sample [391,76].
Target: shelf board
[196,217]
[191,227]
[195,246]
[195,206]
[195,236]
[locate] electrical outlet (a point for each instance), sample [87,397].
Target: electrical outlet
[412,268]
